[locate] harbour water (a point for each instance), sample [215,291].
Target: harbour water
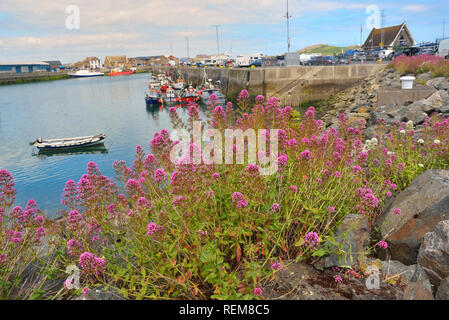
[69,108]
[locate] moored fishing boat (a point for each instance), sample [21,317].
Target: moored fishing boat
[84,73]
[190,95]
[120,72]
[69,143]
[153,97]
[205,95]
[170,96]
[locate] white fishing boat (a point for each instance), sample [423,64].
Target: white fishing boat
[84,73]
[69,143]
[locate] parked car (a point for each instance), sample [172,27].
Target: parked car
[256,63]
[321,61]
[373,55]
[341,59]
[199,64]
[386,54]
[359,56]
[427,51]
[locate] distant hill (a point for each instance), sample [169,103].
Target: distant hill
[325,49]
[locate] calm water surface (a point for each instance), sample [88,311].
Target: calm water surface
[68,108]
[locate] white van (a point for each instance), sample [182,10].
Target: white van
[245,60]
[443,49]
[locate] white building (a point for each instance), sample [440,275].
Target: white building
[95,63]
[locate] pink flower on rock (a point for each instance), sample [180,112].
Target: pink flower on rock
[382,244]
[258,292]
[311,239]
[338,279]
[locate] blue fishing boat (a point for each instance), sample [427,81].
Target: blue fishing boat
[153,98]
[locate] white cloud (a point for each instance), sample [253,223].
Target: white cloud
[141,26]
[416,7]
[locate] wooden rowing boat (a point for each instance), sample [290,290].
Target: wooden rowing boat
[69,143]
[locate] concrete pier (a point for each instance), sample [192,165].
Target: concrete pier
[292,85]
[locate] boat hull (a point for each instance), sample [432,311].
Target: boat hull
[72,147]
[85,76]
[70,143]
[123,73]
[153,101]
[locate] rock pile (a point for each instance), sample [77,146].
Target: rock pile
[360,102]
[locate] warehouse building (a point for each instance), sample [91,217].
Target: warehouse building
[24,67]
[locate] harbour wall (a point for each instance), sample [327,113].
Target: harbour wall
[14,78]
[291,85]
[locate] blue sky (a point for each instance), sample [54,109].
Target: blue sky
[36,29]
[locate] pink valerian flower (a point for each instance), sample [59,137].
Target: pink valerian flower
[338,279]
[306,155]
[282,160]
[260,99]
[275,207]
[71,197]
[294,188]
[92,169]
[150,162]
[178,199]
[331,209]
[292,143]
[243,95]
[39,220]
[388,194]
[211,193]
[91,264]
[159,175]
[74,247]
[133,186]
[337,174]
[311,239]
[142,202]
[239,199]
[382,244]
[397,212]
[31,207]
[215,175]
[15,236]
[39,234]
[85,290]
[258,292]
[278,266]
[252,168]
[152,228]
[68,283]
[400,166]
[218,118]
[3,258]
[356,169]
[74,220]
[310,113]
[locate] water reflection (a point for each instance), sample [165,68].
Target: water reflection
[43,154]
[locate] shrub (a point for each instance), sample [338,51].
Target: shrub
[420,64]
[201,231]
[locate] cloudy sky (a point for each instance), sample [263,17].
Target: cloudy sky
[47,29]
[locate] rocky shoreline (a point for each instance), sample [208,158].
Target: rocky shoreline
[416,264]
